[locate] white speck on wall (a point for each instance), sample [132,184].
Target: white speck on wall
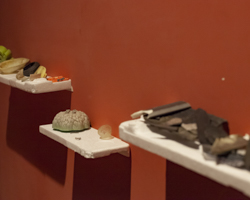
[223,78]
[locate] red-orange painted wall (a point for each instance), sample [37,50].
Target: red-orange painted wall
[123,56]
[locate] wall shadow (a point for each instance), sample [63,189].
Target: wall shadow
[107,178]
[181,183]
[28,111]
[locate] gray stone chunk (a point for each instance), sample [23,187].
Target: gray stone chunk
[186,134]
[169,108]
[159,124]
[211,133]
[206,148]
[189,127]
[174,121]
[233,159]
[203,121]
[173,135]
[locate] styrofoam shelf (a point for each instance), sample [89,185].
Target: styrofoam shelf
[87,143]
[136,132]
[41,85]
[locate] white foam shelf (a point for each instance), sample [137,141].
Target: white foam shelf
[136,132]
[89,145]
[41,85]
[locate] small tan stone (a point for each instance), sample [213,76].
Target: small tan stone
[105,132]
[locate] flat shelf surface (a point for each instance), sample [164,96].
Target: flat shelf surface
[41,85]
[136,132]
[89,145]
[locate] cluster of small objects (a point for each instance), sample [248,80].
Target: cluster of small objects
[198,129]
[22,67]
[71,120]
[31,72]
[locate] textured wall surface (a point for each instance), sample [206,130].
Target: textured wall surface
[122,56]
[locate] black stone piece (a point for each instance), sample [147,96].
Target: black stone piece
[159,124]
[203,121]
[212,132]
[206,149]
[169,108]
[186,134]
[216,121]
[187,116]
[247,157]
[30,68]
[232,159]
[173,135]
[176,121]
[219,122]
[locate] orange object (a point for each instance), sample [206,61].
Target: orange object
[57,79]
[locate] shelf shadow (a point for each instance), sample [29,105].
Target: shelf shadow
[26,113]
[182,183]
[102,178]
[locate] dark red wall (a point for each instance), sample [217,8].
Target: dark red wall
[123,56]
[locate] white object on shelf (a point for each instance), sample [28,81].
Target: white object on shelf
[41,85]
[136,132]
[87,143]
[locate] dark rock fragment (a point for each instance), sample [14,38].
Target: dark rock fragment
[159,124]
[174,121]
[186,134]
[173,135]
[203,121]
[169,108]
[206,149]
[212,132]
[247,156]
[233,159]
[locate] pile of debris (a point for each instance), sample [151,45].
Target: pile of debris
[196,128]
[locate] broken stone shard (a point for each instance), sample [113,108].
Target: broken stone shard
[206,148]
[173,135]
[212,132]
[174,121]
[202,120]
[169,108]
[189,127]
[34,76]
[19,75]
[210,127]
[226,144]
[188,135]
[162,110]
[247,156]
[233,159]
[160,124]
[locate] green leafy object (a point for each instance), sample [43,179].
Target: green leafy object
[5,54]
